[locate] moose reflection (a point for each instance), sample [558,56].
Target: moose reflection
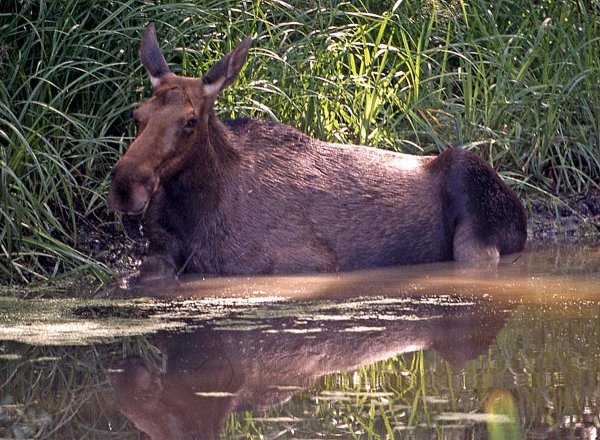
[258,197]
[212,372]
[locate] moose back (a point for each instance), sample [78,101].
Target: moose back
[252,196]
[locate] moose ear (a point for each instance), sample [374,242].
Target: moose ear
[152,57]
[227,69]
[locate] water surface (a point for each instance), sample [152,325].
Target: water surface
[433,351]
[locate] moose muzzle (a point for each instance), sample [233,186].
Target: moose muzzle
[131,188]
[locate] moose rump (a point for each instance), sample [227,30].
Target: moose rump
[251,196]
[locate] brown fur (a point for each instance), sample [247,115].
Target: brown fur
[252,196]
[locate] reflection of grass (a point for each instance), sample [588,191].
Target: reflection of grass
[534,375]
[62,393]
[507,425]
[517,82]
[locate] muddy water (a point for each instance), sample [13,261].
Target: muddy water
[434,351]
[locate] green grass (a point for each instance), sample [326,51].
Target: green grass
[516,81]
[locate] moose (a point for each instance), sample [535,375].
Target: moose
[252,196]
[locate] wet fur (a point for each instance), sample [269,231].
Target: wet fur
[281,202]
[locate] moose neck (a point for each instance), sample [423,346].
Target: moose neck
[199,183]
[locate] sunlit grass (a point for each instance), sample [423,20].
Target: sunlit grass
[515,81]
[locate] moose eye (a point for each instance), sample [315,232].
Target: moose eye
[191,123]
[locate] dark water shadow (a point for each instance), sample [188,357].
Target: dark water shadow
[286,332]
[192,356]
[219,369]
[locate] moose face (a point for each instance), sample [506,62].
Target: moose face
[171,125]
[168,130]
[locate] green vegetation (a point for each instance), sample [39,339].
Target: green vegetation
[516,81]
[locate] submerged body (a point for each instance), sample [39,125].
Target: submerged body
[300,205]
[251,196]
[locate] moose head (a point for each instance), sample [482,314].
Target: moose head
[171,124]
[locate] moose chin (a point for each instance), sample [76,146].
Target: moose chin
[250,196]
